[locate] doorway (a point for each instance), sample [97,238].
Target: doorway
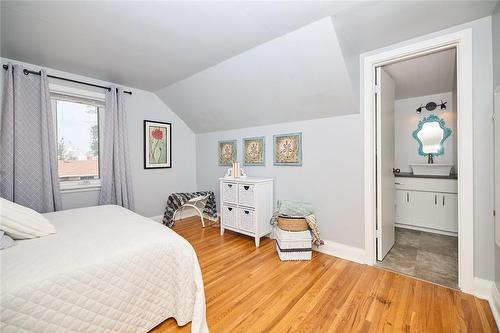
[417,173]
[461,42]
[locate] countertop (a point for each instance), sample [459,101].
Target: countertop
[411,175]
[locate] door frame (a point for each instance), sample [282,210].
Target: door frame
[462,41]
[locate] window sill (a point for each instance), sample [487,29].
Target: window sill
[80,186]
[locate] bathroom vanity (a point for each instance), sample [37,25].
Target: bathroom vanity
[427,203]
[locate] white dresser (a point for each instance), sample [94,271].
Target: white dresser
[246,206]
[429,204]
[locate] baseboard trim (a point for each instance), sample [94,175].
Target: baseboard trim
[482,288]
[342,251]
[181,215]
[495,303]
[157,218]
[488,291]
[435,231]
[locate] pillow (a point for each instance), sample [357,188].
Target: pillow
[21,222]
[5,241]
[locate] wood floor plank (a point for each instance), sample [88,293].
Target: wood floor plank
[249,289]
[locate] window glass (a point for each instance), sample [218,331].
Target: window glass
[77,139]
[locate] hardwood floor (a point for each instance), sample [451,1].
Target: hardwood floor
[249,289]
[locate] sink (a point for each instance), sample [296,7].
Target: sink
[431,169]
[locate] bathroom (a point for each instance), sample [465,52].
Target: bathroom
[417,223]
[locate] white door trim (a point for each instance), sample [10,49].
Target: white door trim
[462,40]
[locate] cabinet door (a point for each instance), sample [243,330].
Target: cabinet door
[424,208]
[403,214]
[433,210]
[448,212]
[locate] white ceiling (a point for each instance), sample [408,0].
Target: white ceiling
[301,75]
[375,24]
[152,45]
[427,75]
[146,44]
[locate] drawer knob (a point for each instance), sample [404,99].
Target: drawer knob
[229,208]
[246,188]
[247,212]
[229,185]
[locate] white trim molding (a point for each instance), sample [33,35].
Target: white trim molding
[488,290]
[342,251]
[157,218]
[462,41]
[495,303]
[80,186]
[78,92]
[482,288]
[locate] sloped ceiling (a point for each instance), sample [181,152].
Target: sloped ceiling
[430,74]
[146,44]
[208,47]
[300,75]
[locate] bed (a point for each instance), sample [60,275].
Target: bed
[106,269]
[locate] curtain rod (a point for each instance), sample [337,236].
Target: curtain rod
[26,72]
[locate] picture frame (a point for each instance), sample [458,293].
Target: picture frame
[254,151]
[157,144]
[287,149]
[227,152]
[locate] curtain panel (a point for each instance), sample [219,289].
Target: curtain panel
[116,184]
[28,155]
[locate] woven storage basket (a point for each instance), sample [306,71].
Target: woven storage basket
[292,224]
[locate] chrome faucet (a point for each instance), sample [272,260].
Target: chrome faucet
[430,159]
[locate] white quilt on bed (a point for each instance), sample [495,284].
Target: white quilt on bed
[106,269]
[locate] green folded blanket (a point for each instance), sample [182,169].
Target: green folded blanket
[289,208]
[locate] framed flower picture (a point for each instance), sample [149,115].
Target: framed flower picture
[288,149]
[227,152]
[254,152]
[157,145]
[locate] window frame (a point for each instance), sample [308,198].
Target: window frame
[76,93]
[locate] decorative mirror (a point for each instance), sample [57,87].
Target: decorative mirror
[430,134]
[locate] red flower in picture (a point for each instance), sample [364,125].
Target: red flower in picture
[157,134]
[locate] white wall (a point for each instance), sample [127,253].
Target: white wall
[331,177]
[151,187]
[406,121]
[483,138]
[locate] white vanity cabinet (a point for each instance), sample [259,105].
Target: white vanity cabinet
[429,204]
[246,206]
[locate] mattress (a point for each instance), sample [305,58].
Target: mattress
[106,269]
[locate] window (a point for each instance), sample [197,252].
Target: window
[78,133]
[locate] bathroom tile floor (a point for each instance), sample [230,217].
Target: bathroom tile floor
[424,255]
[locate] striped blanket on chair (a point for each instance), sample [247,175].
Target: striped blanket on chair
[177,200]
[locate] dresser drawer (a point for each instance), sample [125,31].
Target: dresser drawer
[247,220]
[247,195]
[230,192]
[230,216]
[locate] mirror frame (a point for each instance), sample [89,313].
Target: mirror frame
[431,119]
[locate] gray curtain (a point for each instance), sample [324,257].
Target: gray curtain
[116,185]
[28,156]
